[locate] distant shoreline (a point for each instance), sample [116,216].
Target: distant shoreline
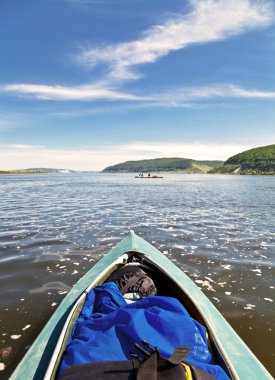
[24,172]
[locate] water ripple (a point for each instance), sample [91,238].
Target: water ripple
[220,230]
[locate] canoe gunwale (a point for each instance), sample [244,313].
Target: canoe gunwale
[59,348]
[63,337]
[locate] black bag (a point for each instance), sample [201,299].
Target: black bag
[133,280]
[152,367]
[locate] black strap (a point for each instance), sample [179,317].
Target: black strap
[154,366]
[199,374]
[148,369]
[179,354]
[153,363]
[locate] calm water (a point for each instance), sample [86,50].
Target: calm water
[219,229]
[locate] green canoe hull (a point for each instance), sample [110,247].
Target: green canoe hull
[240,361]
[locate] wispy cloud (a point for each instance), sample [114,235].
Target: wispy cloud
[96,158]
[6,124]
[80,93]
[21,147]
[208,21]
[195,150]
[176,97]
[84,3]
[239,92]
[13,120]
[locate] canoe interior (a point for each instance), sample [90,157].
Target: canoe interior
[165,287]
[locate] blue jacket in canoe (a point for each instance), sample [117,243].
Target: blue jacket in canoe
[108,327]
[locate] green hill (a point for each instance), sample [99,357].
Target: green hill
[182,165]
[259,160]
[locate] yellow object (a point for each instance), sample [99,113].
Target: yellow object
[187,371]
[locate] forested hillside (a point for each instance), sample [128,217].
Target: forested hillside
[253,161]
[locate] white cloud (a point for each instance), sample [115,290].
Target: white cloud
[239,92]
[21,146]
[176,97]
[196,150]
[209,21]
[83,3]
[81,93]
[181,96]
[97,158]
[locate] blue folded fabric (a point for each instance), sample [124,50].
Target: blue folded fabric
[108,327]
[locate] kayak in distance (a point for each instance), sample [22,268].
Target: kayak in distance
[152,324]
[147,176]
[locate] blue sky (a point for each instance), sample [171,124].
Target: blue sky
[89,83]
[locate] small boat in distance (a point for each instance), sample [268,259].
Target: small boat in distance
[149,176]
